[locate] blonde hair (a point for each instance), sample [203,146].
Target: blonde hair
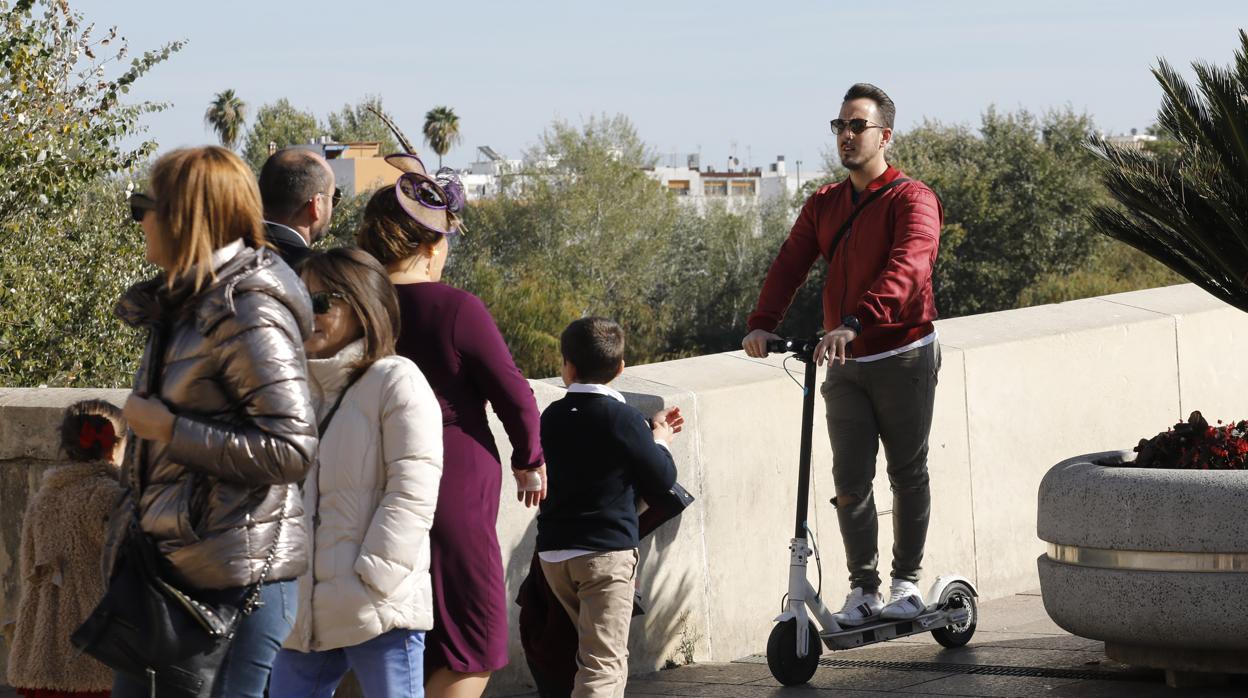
[206,198]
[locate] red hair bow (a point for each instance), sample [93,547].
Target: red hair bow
[91,435]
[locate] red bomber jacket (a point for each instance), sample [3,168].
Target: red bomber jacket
[880,273]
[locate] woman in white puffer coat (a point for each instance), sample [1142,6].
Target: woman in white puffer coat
[366,601]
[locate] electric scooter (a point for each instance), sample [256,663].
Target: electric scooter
[793,648]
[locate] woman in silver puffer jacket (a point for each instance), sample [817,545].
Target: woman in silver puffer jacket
[221,408]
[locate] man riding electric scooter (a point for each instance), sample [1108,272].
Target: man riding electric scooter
[879,232]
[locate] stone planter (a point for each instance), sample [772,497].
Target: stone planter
[1154,562]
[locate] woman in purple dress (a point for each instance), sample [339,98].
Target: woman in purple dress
[451,336]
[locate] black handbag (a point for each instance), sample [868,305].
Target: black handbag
[146,626]
[149,628]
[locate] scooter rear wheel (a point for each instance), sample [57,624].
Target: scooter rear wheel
[958,595]
[782,659]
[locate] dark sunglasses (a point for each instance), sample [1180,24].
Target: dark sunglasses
[337,196]
[140,204]
[321,301]
[855,126]
[420,189]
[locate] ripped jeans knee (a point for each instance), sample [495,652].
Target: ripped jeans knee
[849,497]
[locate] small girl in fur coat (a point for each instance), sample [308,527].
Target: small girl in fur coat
[62,538]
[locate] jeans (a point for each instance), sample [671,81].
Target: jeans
[387,666]
[887,401]
[246,669]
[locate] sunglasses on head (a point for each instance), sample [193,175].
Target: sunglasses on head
[321,301]
[140,204]
[855,126]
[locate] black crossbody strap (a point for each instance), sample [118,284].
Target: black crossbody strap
[252,600]
[840,233]
[324,424]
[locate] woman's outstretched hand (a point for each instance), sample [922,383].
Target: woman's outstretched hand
[531,485]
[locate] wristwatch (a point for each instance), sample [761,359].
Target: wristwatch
[852,323]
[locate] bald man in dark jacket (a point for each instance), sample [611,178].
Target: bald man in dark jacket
[297,188]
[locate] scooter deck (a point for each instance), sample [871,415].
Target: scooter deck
[884,630]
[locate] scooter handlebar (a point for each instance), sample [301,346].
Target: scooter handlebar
[796,346]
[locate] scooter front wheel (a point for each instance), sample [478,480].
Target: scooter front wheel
[958,595]
[782,659]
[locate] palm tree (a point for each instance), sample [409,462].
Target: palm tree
[225,115]
[1189,211]
[441,130]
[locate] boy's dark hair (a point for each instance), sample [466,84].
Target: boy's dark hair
[367,289]
[595,346]
[91,429]
[865,90]
[289,179]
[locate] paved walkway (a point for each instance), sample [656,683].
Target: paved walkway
[1016,651]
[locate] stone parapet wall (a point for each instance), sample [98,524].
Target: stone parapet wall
[1019,391]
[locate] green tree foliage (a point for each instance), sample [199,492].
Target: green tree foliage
[720,259]
[62,124]
[1111,268]
[226,115]
[67,149]
[441,130]
[1016,195]
[282,124]
[345,222]
[57,292]
[1190,211]
[355,123]
[583,230]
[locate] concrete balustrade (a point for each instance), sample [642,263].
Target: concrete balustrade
[1019,391]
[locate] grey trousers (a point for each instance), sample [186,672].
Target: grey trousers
[887,401]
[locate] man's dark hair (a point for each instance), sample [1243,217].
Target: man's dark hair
[865,90]
[289,179]
[595,346]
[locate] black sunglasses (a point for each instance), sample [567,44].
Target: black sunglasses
[140,204]
[337,196]
[855,126]
[321,301]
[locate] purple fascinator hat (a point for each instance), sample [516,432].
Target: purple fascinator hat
[431,201]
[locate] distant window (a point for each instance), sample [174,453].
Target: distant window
[679,187]
[715,187]
[743,188]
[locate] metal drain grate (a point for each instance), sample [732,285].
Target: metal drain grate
[976,669]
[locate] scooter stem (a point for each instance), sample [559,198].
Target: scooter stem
[803,468]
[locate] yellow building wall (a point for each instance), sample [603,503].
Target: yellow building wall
[373,173]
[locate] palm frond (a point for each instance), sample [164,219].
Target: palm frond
[1227,107]
[1190,214]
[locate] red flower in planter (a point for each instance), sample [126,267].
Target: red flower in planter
[1196,445]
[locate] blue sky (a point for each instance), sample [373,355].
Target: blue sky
[755,78]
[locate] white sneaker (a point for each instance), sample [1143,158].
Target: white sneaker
[904,601]
[859,608]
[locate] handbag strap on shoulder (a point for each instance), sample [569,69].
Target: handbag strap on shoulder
[252,600]
[840,232]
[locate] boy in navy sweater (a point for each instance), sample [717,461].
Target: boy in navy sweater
[599,453]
